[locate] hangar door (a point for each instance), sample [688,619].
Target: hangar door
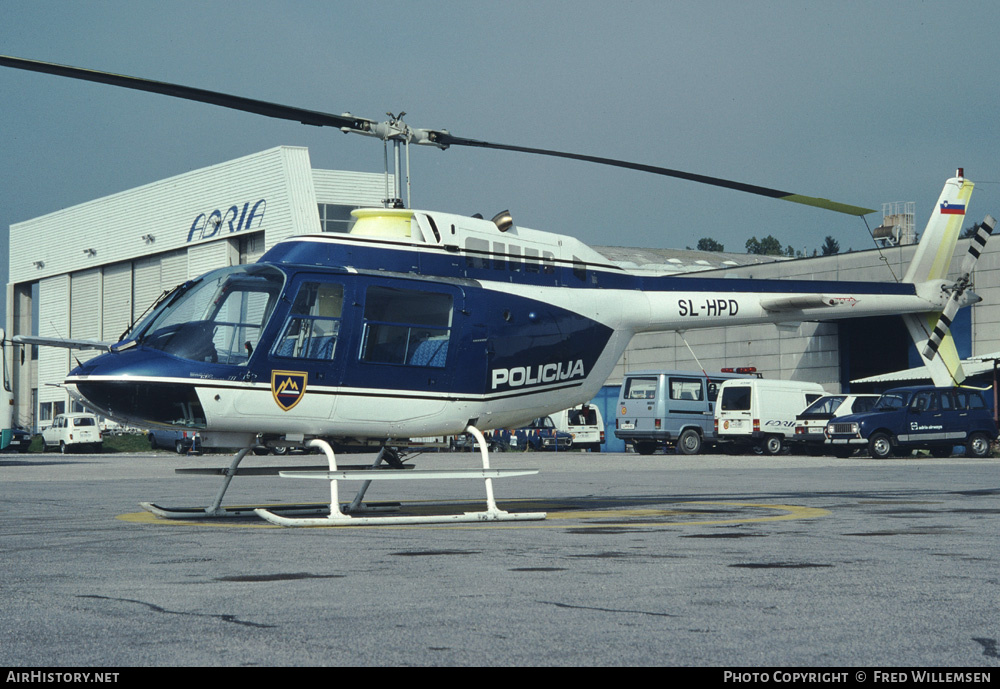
[881,344]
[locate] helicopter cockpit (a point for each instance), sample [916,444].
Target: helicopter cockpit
[218,318]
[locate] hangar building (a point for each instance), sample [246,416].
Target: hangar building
[89,271]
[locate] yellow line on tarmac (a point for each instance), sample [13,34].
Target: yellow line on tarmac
[791,512]
[610,518]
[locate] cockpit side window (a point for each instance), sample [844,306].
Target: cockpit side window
[313,324]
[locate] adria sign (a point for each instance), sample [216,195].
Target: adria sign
[206,226]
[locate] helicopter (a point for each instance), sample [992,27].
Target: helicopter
[420,323]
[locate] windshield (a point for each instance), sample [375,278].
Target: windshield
[220,318]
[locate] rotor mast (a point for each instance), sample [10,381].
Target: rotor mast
[401,135]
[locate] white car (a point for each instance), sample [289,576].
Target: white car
[810,425]
[73,431]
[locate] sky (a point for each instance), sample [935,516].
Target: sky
[859,102]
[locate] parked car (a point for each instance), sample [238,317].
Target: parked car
[180,442]
[540,434]
[810,425]
[918,417]
[73,432]
[20,440]
[497,441]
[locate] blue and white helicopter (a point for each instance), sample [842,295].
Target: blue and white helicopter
[422,323]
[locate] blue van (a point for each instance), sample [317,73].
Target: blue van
[669,409]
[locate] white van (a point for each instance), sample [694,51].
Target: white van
[584,423]
[761,413]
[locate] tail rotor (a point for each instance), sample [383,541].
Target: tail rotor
[943,326]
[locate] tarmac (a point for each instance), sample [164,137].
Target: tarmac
[713,561]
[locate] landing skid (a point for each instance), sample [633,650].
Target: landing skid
[248,511]
[217,511]
[337,514]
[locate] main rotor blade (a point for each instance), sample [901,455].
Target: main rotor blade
[284,112]
[448,140]
[360,125]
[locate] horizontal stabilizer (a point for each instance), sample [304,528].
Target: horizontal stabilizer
[806,301]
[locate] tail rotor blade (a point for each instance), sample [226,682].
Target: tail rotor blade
[983,232]
[976,246]
[942,327]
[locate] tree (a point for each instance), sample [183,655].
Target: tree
[768,246]
[830,246]
[709,244]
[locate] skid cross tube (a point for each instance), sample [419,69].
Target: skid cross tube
[337,518]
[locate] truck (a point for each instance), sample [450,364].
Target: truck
[670,409]
[760,413]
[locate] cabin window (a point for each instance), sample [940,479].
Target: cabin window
[548,263]
[409,327]
[924,401]
[531,262]
[685,389]
[477,253]
[313,323]
[499,259]
[640,388]
[514,258]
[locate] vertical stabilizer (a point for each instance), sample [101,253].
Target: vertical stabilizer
[931,261]
[937,244]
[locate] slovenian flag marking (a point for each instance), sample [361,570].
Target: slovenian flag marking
[952,209]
